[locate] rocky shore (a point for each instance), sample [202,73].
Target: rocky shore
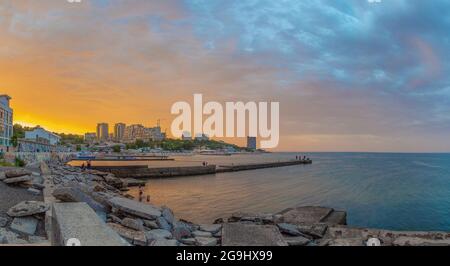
[38,222]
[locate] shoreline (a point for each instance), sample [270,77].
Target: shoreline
[70,189]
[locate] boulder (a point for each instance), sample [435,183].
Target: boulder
[151,224]
[9,237]
[3,221]
[206,241]
[297,241]
[315,230]
[24,225]
[189,241]
[75,194]
[239,234]
[16,180]
[181,230]
[305,215]
[168,215]
[158,234]
[138,209]
[212,228]
[2,176]
[163,223]
[137,238]
[27,208]
[289,229]
[34,191]
[17,173]
[201,234]
[136,224]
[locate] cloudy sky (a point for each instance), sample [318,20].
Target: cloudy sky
[350,75]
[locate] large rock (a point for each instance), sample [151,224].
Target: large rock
[238,234]
[11,238]
[134,237]
[17,173]
[181,230]
[3,221]
[16,180]
[135,208]
[305,215]
[289,229]
[314,230]
[168,215]
[201,234]
[27,208]
[158,234]
[78,220]
[297,241]
[212,228]
[75,194]
[24,225]
[135,224]
[163,223]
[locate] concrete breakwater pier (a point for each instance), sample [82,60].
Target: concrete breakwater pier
[90,206]
[143,171]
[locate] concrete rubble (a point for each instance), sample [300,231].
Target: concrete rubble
[94,206]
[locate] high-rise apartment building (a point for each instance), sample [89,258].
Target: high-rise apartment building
[103,131]
[119,131]
[6,122]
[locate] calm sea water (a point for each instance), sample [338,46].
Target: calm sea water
[391,191]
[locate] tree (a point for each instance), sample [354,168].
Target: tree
[116,149]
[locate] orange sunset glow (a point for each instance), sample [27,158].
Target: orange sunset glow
[70,66]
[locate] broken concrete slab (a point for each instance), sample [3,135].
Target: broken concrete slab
[158,234]
[134,237]
[3,221]
[24,225]
[201,234]
[79,221]
[168,215]
[163,223]
[34,191]
[135,208]
[27,208]
[336,218]
[314,230]
[297,240]
[212,228]
[15,180]
[181,230]
[75,194]
[17,173]
[289,229]
[238,234]
[135,224]
[305,215]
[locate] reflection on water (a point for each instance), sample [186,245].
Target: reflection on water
[393,191]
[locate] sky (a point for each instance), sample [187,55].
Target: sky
[350,75]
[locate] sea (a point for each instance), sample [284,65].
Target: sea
[395,191]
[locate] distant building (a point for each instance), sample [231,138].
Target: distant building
[119,131]
[43,136]
[251,143]
[186,136]
[90,137]
[103,131]
[6,122]
[139,132]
